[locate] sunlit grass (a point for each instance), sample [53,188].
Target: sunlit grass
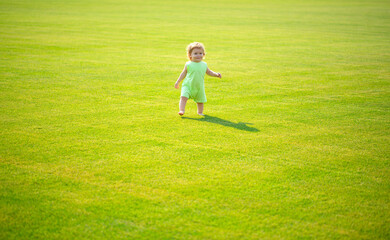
[294,143]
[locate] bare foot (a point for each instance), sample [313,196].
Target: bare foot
[181,113]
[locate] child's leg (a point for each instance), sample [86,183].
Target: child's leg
[182,105]
[200,108]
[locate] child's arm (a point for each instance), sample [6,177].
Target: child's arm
[213,74]
[181,77]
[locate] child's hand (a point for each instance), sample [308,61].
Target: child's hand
[219,75]
[177,85]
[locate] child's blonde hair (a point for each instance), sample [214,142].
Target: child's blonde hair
[194,45]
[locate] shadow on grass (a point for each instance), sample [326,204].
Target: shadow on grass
[241,125]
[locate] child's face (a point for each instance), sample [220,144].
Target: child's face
[197,55]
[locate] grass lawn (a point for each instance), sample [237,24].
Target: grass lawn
[294,144]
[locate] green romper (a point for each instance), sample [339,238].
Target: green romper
[193,84]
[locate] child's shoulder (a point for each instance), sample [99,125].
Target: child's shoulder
[189,62]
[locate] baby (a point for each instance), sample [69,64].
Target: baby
[194,72]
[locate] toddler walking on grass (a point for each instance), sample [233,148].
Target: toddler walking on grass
[194,72]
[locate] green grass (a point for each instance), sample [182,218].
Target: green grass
[295,144]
